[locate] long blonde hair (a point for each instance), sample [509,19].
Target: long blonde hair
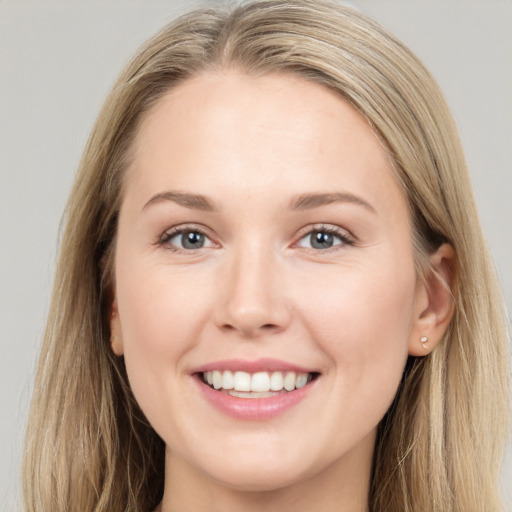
[439,447]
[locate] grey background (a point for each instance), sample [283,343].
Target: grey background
[57,62]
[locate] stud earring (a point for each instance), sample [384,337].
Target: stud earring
[424,341]
[113,340]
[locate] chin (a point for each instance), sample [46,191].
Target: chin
[258,479]
[260,471]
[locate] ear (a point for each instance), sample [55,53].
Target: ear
[434,302]
[116,339]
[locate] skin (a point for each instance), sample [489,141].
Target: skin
[258,288]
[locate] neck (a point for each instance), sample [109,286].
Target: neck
[342,487]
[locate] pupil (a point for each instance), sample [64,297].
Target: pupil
[321,240]
[193,240]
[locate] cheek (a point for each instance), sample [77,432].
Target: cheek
[362,321]
[365,316]
[158,306]
[161,313]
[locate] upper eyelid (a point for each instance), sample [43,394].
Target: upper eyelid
[332,228]
[176,230]
[164,239]
[346,238]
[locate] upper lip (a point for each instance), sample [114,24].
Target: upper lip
[255,366]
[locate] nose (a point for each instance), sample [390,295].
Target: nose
[252,299]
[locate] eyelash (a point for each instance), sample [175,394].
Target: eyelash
[168,235]
[346,239]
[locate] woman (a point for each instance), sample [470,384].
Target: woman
[272,284]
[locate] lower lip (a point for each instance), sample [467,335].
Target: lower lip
[253,409]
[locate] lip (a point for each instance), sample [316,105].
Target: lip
[252,409]
[258,365]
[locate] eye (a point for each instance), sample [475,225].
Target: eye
[324,238]
[185,239]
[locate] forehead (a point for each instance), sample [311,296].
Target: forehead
[233,132]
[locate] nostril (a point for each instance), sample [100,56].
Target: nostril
[251,319]
[228,327]
[252,331]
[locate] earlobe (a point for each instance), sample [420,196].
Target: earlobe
[116,341]
[434,302]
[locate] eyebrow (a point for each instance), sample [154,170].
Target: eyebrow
[301,202]
[192,201]
[309,201]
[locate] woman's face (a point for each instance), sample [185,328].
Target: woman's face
[263,241]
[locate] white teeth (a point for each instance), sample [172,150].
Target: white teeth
[260,384]
[228,381]
[302,380]
[289,381]
[276,381]
[266,394]
[242,381]
[217,379]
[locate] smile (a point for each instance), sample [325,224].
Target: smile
[257,385]
[254,390]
